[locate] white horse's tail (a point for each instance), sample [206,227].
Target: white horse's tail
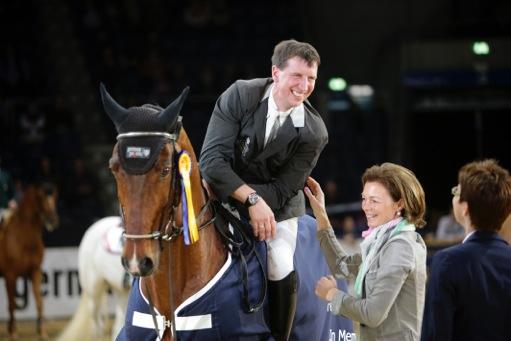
[81,326]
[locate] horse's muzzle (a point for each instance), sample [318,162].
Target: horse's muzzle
[143,267]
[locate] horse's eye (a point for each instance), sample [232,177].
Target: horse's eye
[165,171]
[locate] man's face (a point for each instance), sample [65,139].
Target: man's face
[294,83]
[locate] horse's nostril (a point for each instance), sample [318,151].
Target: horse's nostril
[146,266]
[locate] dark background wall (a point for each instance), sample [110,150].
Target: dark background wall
[435,105]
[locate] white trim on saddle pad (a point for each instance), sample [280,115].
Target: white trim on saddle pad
[143,320]
[194,322]
[183,323]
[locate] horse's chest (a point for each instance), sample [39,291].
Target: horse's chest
[215,313]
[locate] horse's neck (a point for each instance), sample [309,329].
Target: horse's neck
[28,212]
[200,261]
[191,266]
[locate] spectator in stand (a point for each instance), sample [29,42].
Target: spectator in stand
[349,236]
[32,125]
[80,194]
[331,192]
[350,242]
[33,134]
[449,230]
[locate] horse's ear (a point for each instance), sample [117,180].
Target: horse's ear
[171,112]
[116,112]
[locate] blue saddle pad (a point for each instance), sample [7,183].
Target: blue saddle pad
[216,313]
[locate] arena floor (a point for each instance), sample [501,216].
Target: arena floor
[27,329]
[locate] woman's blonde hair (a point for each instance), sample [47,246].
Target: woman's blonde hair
[402,185]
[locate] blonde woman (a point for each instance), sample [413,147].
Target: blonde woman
[390,271]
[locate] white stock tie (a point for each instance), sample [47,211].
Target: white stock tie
[276,125]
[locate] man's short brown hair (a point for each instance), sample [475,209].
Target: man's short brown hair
[288,49]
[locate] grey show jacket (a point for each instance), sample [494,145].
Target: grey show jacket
[393,291]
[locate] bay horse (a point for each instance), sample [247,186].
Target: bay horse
[150,214]
[22,248]
[100,270]
[198,289]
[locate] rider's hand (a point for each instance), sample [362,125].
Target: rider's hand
[262,220]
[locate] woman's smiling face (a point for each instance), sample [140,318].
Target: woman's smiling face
[378,205]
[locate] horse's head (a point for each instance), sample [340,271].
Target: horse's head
[46,200]
[49,205]
[144,165]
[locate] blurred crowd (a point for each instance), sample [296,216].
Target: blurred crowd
[145,53]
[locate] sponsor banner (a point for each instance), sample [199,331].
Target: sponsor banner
[60,287]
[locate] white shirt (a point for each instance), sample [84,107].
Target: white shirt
[297,114]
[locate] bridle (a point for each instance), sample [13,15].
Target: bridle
[170,230]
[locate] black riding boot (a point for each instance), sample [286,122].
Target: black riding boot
[282,300]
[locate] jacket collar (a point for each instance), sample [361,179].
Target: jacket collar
[297,114]
[260,123]
[482,235]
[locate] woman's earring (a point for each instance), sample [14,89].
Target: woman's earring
[398,213]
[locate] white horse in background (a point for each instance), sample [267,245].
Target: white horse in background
[100,269]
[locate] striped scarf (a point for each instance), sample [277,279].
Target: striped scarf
[373,243]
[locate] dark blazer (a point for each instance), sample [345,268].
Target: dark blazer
[233,152]
[469,291]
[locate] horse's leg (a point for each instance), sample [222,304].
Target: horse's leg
[98,302]
[10,285]
[37,277]
[121,302]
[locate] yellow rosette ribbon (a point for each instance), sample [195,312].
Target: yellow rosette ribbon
[190,224]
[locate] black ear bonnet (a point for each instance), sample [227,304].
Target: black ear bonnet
[138,154]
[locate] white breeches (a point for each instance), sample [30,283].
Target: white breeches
[281,249]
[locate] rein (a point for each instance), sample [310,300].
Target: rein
[243,246]
[175,231]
